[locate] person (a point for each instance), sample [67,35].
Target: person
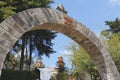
[37,71]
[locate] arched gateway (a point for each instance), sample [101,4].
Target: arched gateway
[15,26]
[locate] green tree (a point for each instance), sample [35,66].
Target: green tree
[39,41]
[5,10]
[82,63]
[62,75]
[9,7]
[11,61]
[114,26]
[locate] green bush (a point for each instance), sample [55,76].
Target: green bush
[17,75]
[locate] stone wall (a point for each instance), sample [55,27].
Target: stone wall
[44,18]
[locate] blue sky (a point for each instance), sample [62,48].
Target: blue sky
[92,13]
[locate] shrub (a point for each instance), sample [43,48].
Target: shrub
[17,75]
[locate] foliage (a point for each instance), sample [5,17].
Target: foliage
[5,12]
[62,75]
[11,62]
[39,41]
[82,63]
[114,27]
[17,75]
[9,7]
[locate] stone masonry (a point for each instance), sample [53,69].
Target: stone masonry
[15,26]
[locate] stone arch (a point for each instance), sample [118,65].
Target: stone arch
[45,18]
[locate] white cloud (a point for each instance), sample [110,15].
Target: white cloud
[65,52]
[115,2]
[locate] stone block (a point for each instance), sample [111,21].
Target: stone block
[36,15]
[21,21]
[47,15]
[15,26]
[7,27]
[10,29]
[3,50]
[1,30]
[8,37]
[2,41]
[92,37]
